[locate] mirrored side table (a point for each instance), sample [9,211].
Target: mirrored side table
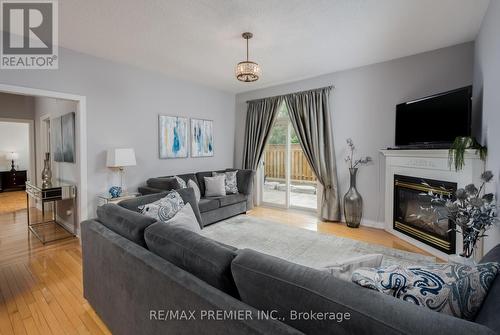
[51,210]
[106,198]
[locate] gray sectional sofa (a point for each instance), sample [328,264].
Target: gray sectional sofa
[212,209]
[141,275]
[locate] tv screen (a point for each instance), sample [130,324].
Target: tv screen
[436,120]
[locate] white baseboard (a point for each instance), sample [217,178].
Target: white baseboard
[368,223]
[372,224]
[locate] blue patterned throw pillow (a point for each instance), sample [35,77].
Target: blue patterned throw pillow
[453,289]
[165,208]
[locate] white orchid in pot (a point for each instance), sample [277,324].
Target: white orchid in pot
[353,202]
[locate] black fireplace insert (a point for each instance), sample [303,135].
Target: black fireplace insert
[417,216]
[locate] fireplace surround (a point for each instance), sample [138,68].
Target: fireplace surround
[430,166]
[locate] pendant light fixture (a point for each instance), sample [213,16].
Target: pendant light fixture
[247,71]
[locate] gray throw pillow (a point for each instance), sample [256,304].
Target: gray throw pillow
[182,183]
[215,186]
[345,268]
[165,208]
[453,289]
[186,219]
[230,182]
[196,189]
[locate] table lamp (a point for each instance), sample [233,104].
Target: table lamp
[119,158]
[12,156]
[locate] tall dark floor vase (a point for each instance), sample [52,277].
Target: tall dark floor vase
[353,202]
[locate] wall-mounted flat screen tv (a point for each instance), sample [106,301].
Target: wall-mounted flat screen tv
[434,121]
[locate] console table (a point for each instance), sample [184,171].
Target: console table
[43,200]
[12,180]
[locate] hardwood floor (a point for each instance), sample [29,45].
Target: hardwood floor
[41,285]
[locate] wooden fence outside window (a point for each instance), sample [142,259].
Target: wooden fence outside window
[275,164]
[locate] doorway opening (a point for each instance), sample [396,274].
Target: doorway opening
[17,162]
[287,178]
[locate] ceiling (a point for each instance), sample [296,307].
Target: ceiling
[200,41]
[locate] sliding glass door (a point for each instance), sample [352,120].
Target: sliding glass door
[288,180]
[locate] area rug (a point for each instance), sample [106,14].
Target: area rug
[301,246]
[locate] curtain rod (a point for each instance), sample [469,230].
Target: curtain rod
[282,95]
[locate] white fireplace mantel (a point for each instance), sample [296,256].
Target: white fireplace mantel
[430,164]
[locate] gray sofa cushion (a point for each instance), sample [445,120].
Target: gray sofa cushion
[208,204]
[166,184]
[124,283]
[187,195]
[269,283]
[488,314]
[223,213]
[201,256]
[128,224]
[230,199]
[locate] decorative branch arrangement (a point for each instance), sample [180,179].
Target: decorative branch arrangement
[354,163]
[472,213]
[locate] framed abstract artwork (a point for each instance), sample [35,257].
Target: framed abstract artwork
[202,138]
[63,138]
[68,137]
[56,139]
[173,136]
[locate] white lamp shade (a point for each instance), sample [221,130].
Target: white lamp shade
[11,156]
[120,157]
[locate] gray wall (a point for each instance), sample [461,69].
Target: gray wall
[15,106]
[363,108]
[20,107]
[14,137]
[487,97]
[123,104]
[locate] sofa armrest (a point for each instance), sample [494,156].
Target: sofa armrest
[244,179]
[492,256]
[145,190]
[488,314]
[163,183]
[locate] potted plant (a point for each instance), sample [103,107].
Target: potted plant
[456,154]
[353,201]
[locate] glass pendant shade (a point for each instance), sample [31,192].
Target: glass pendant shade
[247,71]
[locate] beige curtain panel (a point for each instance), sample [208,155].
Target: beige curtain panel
[309,112]
[260,118]
[310,115]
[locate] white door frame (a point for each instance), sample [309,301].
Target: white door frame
[31,143]
[81,119]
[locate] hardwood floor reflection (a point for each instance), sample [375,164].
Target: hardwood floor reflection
[41,288]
